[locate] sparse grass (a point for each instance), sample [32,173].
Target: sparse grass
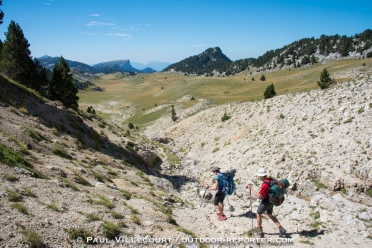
[53,206]
[11,178]
[78,179]
[99,177]
[315,215]
[144,178]
[20,207]
[12,159]
[318,184]
[116,215]
[104,201]
[34,135]
[110,229]
[13,196]
[74,233]
[316,224]
[135,219]
[93,217]
[369,192]
[27,191]
[126,194]
[70,184]
[61,152]
[306,242]
[33,239]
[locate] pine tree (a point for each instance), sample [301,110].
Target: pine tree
[313,60]
[269,92]
[174,116]
[16,60]
[325,79]
[62,87]
[1,13]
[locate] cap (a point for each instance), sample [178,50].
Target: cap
[286,182]
[215,168]
[261,172]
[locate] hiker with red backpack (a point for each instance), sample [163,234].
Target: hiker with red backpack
[220,195]
[271,193]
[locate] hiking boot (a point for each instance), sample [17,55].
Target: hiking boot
[282,232]
[222,217]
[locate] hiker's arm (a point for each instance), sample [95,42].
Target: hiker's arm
[214,187]
[258,195]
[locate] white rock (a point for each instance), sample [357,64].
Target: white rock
[364,216]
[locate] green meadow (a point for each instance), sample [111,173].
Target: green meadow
[130,97]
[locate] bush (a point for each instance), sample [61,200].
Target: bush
[130,125]
[225,117]
[270,91]
[263,78]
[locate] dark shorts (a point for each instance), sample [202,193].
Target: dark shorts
[219,197]
[265,205]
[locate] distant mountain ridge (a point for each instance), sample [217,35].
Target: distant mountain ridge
[299,53]
[206,62]
[156,65]
[104,67]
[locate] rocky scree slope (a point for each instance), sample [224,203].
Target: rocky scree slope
[66,175]
[319,140]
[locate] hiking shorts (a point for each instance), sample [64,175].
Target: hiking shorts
[265,205]
[219,197]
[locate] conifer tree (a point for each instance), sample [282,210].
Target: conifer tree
[61,86]
[174,116]
[269,92]
[16,60]
[325,79]
[1,14]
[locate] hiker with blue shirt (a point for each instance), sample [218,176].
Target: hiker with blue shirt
[220,195]
[264,194]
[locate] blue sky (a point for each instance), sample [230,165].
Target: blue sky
[93,31]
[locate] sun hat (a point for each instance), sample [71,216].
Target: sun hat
[215,168]
[261,172]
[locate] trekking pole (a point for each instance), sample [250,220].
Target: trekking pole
[250,197]
[202,199]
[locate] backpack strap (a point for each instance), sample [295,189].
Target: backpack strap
[267,181]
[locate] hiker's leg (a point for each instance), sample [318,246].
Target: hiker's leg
[217,203]
[219,209]
[221,205]
[274,219]
[263,207]
[259,220]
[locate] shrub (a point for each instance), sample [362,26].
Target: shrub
[173,112]
[225,117]
[130,125]
[263,78]
[270,91]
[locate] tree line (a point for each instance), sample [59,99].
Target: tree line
[17,63]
